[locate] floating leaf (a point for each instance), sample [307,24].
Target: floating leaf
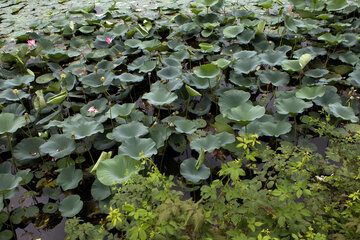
[10,123]
[160,97]
[131,78]
[192,92]
[9,95]
[272,58]
[117,170]
[44,78]
[336,5]
[233,31]
[69,177]
[275,78]
[8,182]
[122,110]
[304,60]
[134,146]
[82,128]
[275,129]
[291,65]
[346,113]
[50,207]
[246,65]
[27,150]
[129,130]
[94,107]
[99,191]
[310,92]
[244,112]
[58,146]
[232,98]
[212,142]
[191,173]
[207,71]
[70,206]
[291,105]
[169,73]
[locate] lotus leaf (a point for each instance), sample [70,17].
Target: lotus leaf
[50,207]
[191,173]
[272,58]
[246,65]
[290,24]
[94,107]
[232,98]
[99,191]
[159,133]
[208,3]
[169,73]
[233,31]
[31,211]
[82,128]
[346,113]
[160,97]
[185,126]
[15,108]
[310,92]
[275,129]
[97,79]
[8,182]
[122,110]
[58,146]
[150,45]
[336,5]
[10,123]
[9,95]
[349,58]
[202,107]
[276,78]
[291,105]
[44,78]
[200,83]
[130,78]
[244,112]
[331,39]
[69,178]
[212,142]
[148,67]
[246,36]
[132,147]
[178,142]
[58,98]
[316,73]
[304,60]
[313,51]
[27,150]
[117,170]
[291,65]
[129,130]
[17,81]
[70,206]
[244,55]
[207,71]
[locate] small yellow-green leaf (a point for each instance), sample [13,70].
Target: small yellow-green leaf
[260,27]
[304,60]
[58,98]
[192,92]
[200,159]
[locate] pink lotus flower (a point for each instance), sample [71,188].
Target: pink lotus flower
[290,8]
[92,109]
[109,40]
[31,43]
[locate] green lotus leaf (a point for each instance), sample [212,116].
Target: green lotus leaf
[185,126]
[8,182]
[58,98]
[5,167]
[99,191]
[178,142]
[212,142]
[207,71]
[313,51]
[95,79]
[82,128]
[200,83]
[150,45]
[272,58]
[132,147]
[350,39]
[94,107]
[232,98]
[354,78]
[233,31]
[246,65]
[52,193]
[148,67]
[206,46]
[10,123]
[15,108]
[6,234]
[169,73]
[310,92]
[31,211]
[240,80]
[336,5]
[138,63]
[328,98]
[44,78]
[87,29]
[349,58]
[50,207]
[208,3]
[160,97]
[340,111]
[130,78]
[276,78]
[119,29]
[27,150]
[290,24]
[304,60]
[291,65]
[69,178]
[291,105]
[244,54]
[58,146]
[159,133]
[133,43]
[98,54]
[129,130]
[122,110]
[246,36]
[316,73]
[275,129]
[117,170]
[192,92]
[222,63]
[244,112]
[191,173]
[70,206]
[331,39]
[171,62]
[18,81]
[9,95]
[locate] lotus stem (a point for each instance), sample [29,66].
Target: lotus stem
[187,106]
[8,211]
[328,55]
[166,142]
[87,149]
[12,151]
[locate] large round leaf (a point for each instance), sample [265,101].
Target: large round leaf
[169,73]
[122,110]
[272,58]
[310,92]
[160,97]
[58,146]
[316,73]
[191,174]
[212,142]
[69,178]
[207,71]
[94,107]
[129,130]
[117,170]
[291,65]
[8,182]
[185,126]
[97,79]
[246,65]
[70,206]
[245,112]
[99,191]
[130,78]
[9,95]
[328,98]
[83,128]
[232,98]
[275,129]
[291,105]
[233,31]
[346,113]
[276,78]
[27,150]
[9,122]
[134,146]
